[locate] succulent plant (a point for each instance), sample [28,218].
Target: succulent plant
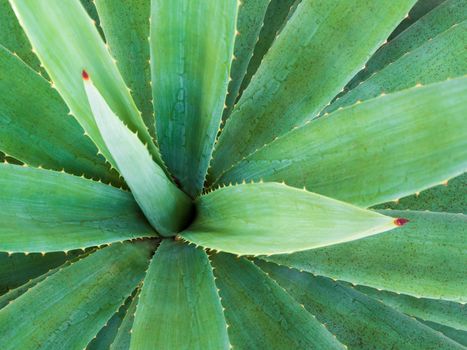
[214,174]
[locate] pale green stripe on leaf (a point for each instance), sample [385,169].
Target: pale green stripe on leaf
[45,211]
[440,311]
[438,59]
[443,17]
[447,197]
[68,309]
[373,152]
[271,218]
[191,51]
[67,41]
[249,23]
[323,45]
[18,269]
[179,307]
[260,314]
[35,127]
[166,207]
[425,258]
[126,27]
[357,320]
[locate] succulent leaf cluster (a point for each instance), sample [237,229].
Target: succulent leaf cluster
[216,174]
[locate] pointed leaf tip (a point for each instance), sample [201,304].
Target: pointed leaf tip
[85,75]
[400,221]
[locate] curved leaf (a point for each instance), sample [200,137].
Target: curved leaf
[320,49]
[51,27]
[448,197]
[166,207]
[72,305]
[249,23]
[18,269]
[277,15]
[189,81]
[270,218]
[454,334]
[123,336]
[400,144]
[179,307]
[126,27]
[440,311]
[45,211]
[260,314]
[36,129]
[13,37]
[424,259]
[357,320]
[438,59]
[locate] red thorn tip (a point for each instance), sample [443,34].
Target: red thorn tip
[85,75]
[400,221]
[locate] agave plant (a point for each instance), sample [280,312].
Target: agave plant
[209,174]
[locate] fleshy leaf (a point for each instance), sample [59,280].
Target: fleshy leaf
[52,28]
[189,80]
[166,207]
[271,218]
[123,336]
[44,211]
[68,309]
[454,334]
[126,27]
[440,311]
[260,314]
[179,307]
[323,45]
[357,320]
[36,129]
[399,144]
[423,259]
[249,23]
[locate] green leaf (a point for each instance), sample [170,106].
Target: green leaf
[448,197]
[18,269]
[126,27]
[438,59]
[400,144]
[179,307]
[13,37]
[271,218]
[54,211]
[440,311]
[90,7]
[442,18]
[67,310]
[123,336]
[189,81]
[166,207]
[107,334]
[52,29]
[276,17]
[420,9]
[249,23]
[260,314]
[12,294]
[357,320]
[323,45]
[454,334]
[36,129]
[422,259]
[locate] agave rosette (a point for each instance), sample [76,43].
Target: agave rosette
[216,174]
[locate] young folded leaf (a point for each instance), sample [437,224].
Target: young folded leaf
[271,218]
[166,207]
